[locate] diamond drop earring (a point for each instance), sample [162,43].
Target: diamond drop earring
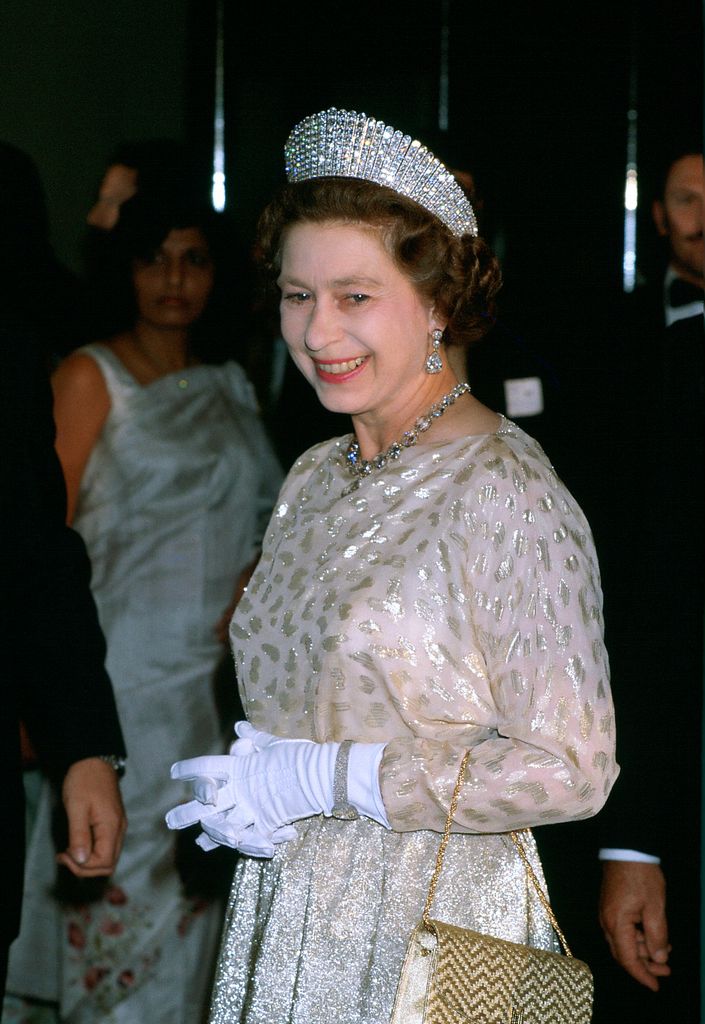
[434,363]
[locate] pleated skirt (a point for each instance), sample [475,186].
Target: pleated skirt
[317,935]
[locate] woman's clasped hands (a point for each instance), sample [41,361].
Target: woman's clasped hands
[247,799]
[237,795]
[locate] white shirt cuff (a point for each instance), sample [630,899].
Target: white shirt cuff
[363,781]
[607,853]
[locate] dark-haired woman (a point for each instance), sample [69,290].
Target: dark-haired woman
[427,587]
[170,481]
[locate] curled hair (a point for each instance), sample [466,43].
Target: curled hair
[459,276]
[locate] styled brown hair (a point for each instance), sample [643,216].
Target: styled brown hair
[459,276]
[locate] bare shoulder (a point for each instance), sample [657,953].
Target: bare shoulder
[80,390]
[78,371]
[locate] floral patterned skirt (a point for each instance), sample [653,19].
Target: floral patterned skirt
[141,952]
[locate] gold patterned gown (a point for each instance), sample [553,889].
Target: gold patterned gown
[451,601]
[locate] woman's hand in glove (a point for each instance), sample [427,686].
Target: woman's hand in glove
[245,798]
[249,796]
[223,823]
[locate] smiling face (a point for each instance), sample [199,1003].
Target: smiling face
[355,326]
[173,285]
[680,217]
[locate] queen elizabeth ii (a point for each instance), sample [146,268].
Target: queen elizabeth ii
[427,587]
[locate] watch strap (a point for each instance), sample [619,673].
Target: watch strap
[115,762]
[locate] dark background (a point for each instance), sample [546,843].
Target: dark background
[538,94]
[538,101]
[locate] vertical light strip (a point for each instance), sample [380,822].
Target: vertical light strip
[631,184]
[443,77]
[218,191]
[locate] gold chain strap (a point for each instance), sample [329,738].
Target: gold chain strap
[444,840]
[515,837]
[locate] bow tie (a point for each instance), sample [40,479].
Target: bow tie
[682,293]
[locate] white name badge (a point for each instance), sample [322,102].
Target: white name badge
[523,396]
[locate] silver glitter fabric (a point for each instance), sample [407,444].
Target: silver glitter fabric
[318,934]
[345,144]
[452,601]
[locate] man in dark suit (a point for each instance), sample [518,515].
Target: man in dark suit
[54,677]
[650,825]
[642,489]
[650,539]
[635,464]
[678,215]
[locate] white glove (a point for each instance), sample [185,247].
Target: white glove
[218,830]
[246,799]
[295,779]
[213,799]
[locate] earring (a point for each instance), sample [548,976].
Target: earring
[434,363]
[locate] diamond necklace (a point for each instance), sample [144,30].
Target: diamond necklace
[359,467]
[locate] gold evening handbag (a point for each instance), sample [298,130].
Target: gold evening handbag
[454,975]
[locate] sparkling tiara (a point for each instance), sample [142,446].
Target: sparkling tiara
[345,144]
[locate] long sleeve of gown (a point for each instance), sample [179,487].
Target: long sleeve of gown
[530,657]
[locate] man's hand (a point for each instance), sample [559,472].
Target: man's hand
[96,818]
[633,918]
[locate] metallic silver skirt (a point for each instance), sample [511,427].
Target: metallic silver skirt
[318,934]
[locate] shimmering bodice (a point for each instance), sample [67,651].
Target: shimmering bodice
[451,601]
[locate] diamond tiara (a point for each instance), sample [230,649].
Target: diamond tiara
[345,144]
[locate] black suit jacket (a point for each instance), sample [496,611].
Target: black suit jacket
[654,570]
[54,677]
[639,477]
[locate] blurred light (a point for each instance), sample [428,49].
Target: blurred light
[443,75]
[629,258]
[631,202]
[218,190]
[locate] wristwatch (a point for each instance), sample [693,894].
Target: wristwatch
[118,763]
